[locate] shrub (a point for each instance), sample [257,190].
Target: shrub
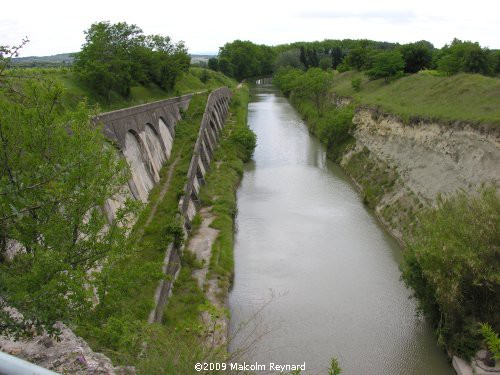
[356,84]
[452,265]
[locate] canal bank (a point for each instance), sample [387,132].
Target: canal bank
[308,250]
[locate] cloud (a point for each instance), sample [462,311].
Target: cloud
[387,15]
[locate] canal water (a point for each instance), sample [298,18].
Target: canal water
[316,276]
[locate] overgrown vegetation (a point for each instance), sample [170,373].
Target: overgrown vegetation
[57,170]
[115,56]
[311,94]
[426,95]
[222,181]
[243,59]
[451,263]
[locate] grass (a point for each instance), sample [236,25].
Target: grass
[76,90]
[120,329]
[220,190]
[463,97]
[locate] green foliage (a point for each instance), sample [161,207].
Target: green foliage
[452,265]
[466,57]
[334,368]
[387,65]
[57,171]
[417,56]
[288,59]
[287,79]
[243,59]
[115,56]
[427,95]
[118,325]
[220,190]
[356,83]
[213,63]
[358,58]
[247,141]
[492,340]
[315,85]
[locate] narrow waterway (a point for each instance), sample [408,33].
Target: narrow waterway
[316,276]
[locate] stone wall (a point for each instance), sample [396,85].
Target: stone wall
[144,135]
[216,110]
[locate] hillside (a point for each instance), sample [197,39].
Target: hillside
[463,97]
[76,90]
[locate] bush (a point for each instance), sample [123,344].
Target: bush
[387,65]
[452,265]
[247,140]
[356,84]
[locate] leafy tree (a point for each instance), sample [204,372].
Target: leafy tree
[357,58]
[105,61]
[452,262]
[386,65]
[325,62]
[213,64]
[115,56]
[465,57]
[57,170]
[288,59]
[243,59]
[287,79]
[315,85]
[337,56]
[417,56]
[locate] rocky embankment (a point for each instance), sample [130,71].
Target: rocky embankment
[402,167]
[66,354]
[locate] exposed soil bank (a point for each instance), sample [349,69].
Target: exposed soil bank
[401,167]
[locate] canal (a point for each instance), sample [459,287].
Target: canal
[316,276]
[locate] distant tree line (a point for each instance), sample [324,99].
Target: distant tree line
[116,56]
[242,59]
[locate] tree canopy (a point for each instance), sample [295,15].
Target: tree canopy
[243,59]
[115,56]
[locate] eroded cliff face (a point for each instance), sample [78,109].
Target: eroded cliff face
[403,167]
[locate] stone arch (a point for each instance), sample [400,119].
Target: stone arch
[215,117]
[154,144]
[166,136]
[136,156]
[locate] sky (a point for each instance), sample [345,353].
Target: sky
[56,26]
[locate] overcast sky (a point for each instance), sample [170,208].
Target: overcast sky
[56,26]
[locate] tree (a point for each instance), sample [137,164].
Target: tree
[357,58]
[288,79]
[115,56]
[337,56]
[386,65]
[105,61]
[417,56]
[465,57]
[213,64]
[243,59]
[315,85]
[288,59]
[57,170]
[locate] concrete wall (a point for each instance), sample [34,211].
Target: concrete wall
[144,135]
[216,110]
[212,123]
